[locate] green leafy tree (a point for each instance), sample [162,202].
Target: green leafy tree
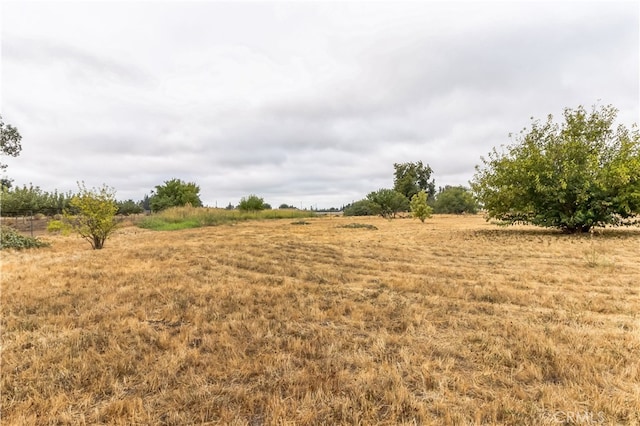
[411,178]
[388,202]
[91,214]
[9,141]
[145,203]
[361,208]
[128,207]
[174,193]
[574,176]
[31,199]
[285,206]
[9,145]
[455,200]
[419,207]
[252,203]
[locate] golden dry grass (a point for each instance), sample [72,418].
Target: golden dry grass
[453,321]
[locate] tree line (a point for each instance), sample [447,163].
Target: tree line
[575,175]
[414,190]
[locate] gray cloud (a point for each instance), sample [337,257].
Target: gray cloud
[307,103]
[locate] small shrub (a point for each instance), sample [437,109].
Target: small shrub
[419,207]
[58,227]
[301,222]
[11,239]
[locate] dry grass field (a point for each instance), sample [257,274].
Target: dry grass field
[454,321]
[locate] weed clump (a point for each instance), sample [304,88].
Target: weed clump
[359,225]
[11,239]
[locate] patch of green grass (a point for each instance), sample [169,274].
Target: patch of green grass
[193,217]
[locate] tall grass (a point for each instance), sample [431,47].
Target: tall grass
[194,217]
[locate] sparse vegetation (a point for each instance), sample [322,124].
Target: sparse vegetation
[258,323]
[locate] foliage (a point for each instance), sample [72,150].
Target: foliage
[128,207]
[455,200]
[20,201]
[92,213]
[360,208]
[9,142]
[12,239]
[574,176]
[388,202]
[286,206]
[419,207]
[411,178]
[145,203]
[252,203]
[58,227]
[359,226]
[193,217]
[175,193]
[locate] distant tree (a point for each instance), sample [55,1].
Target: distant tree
[574,176]
[419,207]
[91,214]
[388,202]
[145,203]
[251,203]
[9,145]
[360,208]
[129,207]
[175,193]
[286,206]
[411,178]
[229,207]
[32,200]
[455,200]
[266,206]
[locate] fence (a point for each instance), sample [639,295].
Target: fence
[23,219]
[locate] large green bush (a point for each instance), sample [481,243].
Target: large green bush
[12,239]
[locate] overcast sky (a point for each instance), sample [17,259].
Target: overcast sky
[307,104]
